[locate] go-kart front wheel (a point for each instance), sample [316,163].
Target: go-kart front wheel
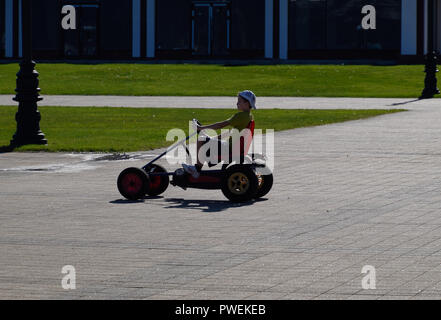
[239,184]
[158,183]
[133,183]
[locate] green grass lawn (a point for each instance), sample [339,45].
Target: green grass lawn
[133,129]
[215,80]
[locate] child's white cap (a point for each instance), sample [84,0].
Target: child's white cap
[250,97]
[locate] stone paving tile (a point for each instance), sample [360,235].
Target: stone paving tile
[362,297]
[397,298]
[345,196]
[299,296]
[219,295]
[267,296]
[425,297]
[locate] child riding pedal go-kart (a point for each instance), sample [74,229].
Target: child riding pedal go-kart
[242,177]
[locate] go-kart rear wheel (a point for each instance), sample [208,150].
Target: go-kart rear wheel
[265,183]
[239,183]
[133,183]
[158,183]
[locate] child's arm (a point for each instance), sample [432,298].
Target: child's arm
[215,126]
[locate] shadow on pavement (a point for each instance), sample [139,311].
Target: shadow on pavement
[405,102]
[195,204]
[205,205]
[4,149]
[125,201]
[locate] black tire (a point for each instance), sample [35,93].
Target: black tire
[133,183]
[158,184]
[239,183]
[265,183]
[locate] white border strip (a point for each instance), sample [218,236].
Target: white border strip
[426,29]
[20,29]
[150,25]
[9,29]
[438,22]
[136,28]
[283,30]
[269,14]
[408,27]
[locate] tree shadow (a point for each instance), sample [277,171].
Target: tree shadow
[5,149]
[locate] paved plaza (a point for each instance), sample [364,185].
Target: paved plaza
[347,195]
[220,102]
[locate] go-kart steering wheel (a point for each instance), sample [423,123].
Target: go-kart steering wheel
[196,123]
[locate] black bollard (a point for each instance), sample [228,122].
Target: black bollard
[28,117]
[430,82]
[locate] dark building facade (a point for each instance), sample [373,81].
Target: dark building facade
[200,29]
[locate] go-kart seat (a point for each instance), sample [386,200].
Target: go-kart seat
[244,148]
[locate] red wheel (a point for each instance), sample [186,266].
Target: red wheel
[158,183]
[133,183]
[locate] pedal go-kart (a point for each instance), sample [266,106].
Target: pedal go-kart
[245,180]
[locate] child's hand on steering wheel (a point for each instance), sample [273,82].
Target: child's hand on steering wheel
[196,125]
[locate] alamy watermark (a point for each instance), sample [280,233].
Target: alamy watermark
[69,21]
[369,281]
[69,280]
[368,22]
[261,143]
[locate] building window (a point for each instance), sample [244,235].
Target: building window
[210,28]
[83,41]
[336,25]
[307,24]
[173,28]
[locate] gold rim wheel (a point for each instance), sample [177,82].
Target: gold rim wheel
[260,180]
[238,183]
